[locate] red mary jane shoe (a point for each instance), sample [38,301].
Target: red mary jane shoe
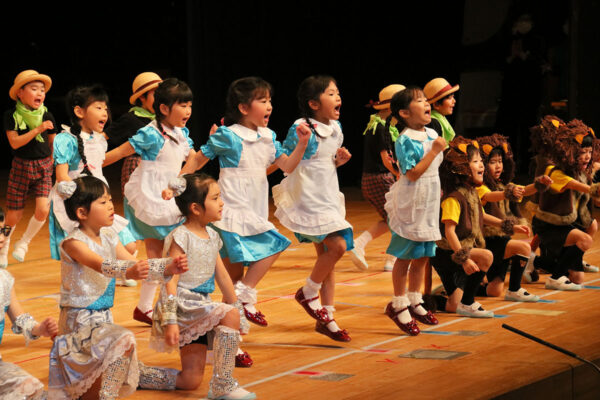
[427,319]
[141,316]
[257,318]
[321,315]
[410,328]
[243,360]
[339,336]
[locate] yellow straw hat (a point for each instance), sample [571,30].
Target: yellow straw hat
[143,83]
[385,96]
[24,78]
[438,88]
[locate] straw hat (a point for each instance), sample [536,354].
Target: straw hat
[385,96]
[24,78]
[143,83]
[438,88]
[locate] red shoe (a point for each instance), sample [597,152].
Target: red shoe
[243,360]
[427,319]
[320,315]
[257,318]
[410,328]
[339,336]
[141,316]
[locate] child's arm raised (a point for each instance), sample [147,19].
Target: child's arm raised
[16,141]
[415,173]
[541,184]
[124,150]
[508,225]
[289,163]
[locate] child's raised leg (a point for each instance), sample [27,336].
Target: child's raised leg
[36,222]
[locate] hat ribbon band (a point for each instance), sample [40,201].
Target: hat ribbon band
[145,85]
[442,91]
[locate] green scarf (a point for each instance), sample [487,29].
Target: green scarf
[142,112]
[26,118]
[447,130]
[376,119]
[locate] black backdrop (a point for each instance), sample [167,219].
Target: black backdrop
[364,45]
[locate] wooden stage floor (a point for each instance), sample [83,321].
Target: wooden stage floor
[459,358]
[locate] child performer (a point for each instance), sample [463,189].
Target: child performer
[30,129]
[140,115]
[413,206]
[92,355]
[500,198]
[164,144]
[461,259]
[563,221]
[379,174]
[440,94]
[16,383]
[185,312]
[246,147]
[309,201]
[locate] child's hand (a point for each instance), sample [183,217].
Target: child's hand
[213,129]
[303,131]
[45,126]
[518,191]
[470,267]
[342,156]
[546,180]
[167,194]
[47,327]
[139,271]
[178,266]
[439,145]
[522,229]
[172,334]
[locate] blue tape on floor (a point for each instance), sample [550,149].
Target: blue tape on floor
[591,287]
[546,301]
[438,332]
[501,316]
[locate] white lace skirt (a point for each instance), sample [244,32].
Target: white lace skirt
[17,384]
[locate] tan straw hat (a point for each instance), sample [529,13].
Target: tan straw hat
[385,96]
[143,83]
[24,78]
[438,88]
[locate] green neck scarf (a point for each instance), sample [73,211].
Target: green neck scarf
[376,119]
[447,130]
[142,112]
[26,118]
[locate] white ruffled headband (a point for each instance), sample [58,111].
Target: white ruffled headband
[177,185]
[65,189]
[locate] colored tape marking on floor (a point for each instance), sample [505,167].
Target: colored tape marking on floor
[438,332]
[591,287]
[332,377]
[533,311]
[501,316]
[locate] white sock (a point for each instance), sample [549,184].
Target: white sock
[399,303]
[147,292]
[363,239]
[33,227]
[529,265]
[332,326]
[310,290]
[246,295]
[416,301]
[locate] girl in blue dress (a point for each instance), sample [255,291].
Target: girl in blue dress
[413,207]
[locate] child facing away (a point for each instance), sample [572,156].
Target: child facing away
[92,356]
[15,382]
[30,129]
[309,202]
[245,147]
[185,313]
[413,207]
[80,150]
[378,175]
[500,198]
[461,258]
[164,145]
[563,220]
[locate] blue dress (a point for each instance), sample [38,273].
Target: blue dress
[414,207]
[244,155]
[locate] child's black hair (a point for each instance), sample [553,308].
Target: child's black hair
[138,101]
[244,91]
[82,97]
[169,92]
[1,214]
[401,101]
[196,190]
[311,88]
[89,189]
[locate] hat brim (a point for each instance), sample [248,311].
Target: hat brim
[136,95]
[446,93]
[31,78]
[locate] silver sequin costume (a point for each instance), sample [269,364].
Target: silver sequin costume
[197,313]
[15,382]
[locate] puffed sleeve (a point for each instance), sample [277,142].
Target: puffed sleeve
[65,148]
[278,147]
[218,143]
[147,142]
[290,142]
[408,152]
[186,134]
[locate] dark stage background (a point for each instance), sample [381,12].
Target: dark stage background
[365,46]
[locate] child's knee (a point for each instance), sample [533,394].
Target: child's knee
[586,242]
[494,288]
[189,380]
[231,319]
[576,277]
[338,248]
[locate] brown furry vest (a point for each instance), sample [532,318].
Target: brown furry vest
[470,223]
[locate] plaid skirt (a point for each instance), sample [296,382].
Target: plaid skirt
[374,187]
[129,165]
[28,176]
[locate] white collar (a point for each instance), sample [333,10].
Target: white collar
[324,130]
[84,135]
[248,134]
[420,136]
[171,132]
